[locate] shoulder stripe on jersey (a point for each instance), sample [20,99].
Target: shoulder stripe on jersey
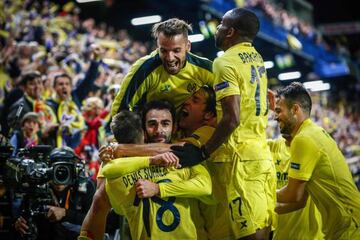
[139,77]
[198,61]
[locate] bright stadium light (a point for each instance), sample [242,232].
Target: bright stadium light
[316,86]
[196,38]
[313,84]
[289,76]
[268,64]
[219,53]
[146,20]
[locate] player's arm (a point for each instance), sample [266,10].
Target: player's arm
[230,120]
[135,84]
[151,149]
[198,185]
[122,166]
[291,197]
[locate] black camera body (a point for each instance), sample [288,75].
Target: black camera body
[39,165]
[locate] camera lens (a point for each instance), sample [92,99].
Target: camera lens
[62,174]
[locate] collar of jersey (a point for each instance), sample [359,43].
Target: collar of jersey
[242,44]
[305,123]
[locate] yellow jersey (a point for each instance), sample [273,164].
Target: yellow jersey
[240,71]
[158,217]
[302,224]
[148,80]
[317,159]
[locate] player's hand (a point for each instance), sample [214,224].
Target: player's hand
[21,226]
[272,99]
[146,189]
[106,153]
[56,213]
[189,154]
[167,159]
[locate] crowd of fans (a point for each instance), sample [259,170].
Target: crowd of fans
[42,37]
[42,40]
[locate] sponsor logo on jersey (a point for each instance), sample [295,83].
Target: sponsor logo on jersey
[165,88]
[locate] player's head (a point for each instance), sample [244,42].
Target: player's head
[173,43]
[237,25]
[293,104]
[127,128]
[198,110]
[159,121]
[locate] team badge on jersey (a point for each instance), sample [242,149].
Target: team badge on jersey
[165,88]
[295,166]
[191,87]
[221,85]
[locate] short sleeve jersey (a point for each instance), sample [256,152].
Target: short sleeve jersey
[240,71]
[156,217]
[148,80]
[304,223]
[317,159]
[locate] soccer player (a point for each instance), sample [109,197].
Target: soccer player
[242,154]
[151,214]
[302,224]
[317,168]
[170,72]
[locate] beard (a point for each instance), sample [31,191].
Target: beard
[218,41]
[288,127]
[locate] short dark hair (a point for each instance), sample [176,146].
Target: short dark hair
[127,127]
[159,105]
[296,93]
[246,22]
[29,76]
[210,100]
[171,27]
[61,75]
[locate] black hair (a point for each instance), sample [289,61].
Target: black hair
[159,105]
[127,127]
[61,75]
[29,76]
[296,93]
[210,100]
[246,22]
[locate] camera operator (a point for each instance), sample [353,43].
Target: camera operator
[70,203]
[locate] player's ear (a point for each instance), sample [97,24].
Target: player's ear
[230,32]
[188,46]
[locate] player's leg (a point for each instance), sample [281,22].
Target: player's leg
[249,205]
[93,226]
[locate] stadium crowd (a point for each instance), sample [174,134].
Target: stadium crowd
[64,73]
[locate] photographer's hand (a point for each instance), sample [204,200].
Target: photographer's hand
[56,213]
[21,226]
